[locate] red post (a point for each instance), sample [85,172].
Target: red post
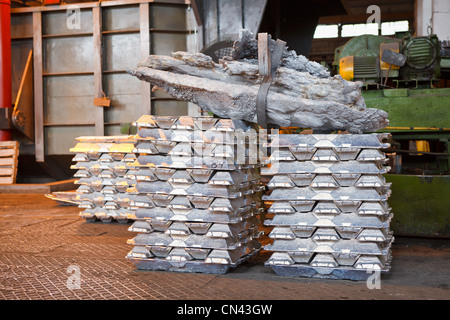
[5,61]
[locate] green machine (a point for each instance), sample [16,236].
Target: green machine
[419,116]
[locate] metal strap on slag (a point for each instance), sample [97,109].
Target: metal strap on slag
[268,64]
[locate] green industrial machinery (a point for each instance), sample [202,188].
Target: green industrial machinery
[361,59]
[419,115]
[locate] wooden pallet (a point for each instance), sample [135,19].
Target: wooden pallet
[9,155]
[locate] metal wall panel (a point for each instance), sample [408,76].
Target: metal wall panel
[21,25]
[169,108]
[120,51]
[114,130]
[68,100]
[68,55]
[166,43]
[124,92]
[72,75]
[67,22]
[60,138]
[120,18]
[165,17]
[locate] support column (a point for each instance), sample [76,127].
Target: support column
[5,63]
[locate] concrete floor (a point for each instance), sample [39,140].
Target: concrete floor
[39,240]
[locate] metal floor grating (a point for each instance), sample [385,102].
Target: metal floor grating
[39,240]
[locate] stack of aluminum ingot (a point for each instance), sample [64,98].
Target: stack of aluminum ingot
[104,174]
[329,204]
[197,194]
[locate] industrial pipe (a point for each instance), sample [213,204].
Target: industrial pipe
[5,62]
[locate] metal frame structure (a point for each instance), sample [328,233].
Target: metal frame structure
[82,52]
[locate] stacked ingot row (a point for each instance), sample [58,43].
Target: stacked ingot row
[196,206]
[328,198]
[104,174]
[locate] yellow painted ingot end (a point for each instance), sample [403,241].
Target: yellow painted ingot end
[121,148]
[131,216]
[146,119]
[346,68]
[132,190]
[83,147]
[135,163]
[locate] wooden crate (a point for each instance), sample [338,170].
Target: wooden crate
[9,155]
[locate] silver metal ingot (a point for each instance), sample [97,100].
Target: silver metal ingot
[81,157]
[189,241]
[302,153]
[280,181]
[209,136]
[324,182]
[141,174]
[280,207]
[282,155]
[194,215]
[347,153]
[302,205]
[316,167]
[242,204]
[343,193]
[280,258]
[324,260]
[325,155]
[372,181]
[200,175]
[146,147]
[141,227]
[351,246]
[282,233]
[180,204]
[341,220]
[190,123]
[346,179]
[373,208]
[361,141]
[326,208]
[371,155]
[189,162]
